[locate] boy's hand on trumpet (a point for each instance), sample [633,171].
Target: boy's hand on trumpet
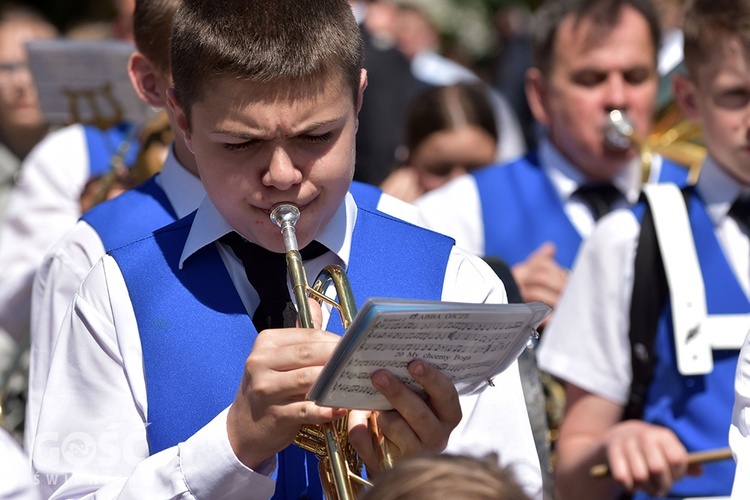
[270,406]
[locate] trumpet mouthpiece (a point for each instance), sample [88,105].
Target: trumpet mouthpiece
[618,130]
[286,215]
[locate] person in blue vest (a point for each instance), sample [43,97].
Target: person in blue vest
[167,378]
[641,395]
[173,193]
[46,202]
[591,57]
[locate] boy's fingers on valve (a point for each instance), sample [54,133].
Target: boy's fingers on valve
[316,312]
[290,348]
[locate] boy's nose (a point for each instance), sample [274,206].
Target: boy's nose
[281,173]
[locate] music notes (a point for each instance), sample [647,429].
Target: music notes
[470,343]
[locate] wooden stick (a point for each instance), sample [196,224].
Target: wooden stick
[698,457]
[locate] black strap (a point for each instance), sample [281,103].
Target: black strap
[650,292]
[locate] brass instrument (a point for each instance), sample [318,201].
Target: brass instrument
[340,467]
[673,137]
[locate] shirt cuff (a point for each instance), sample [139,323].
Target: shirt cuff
[212,470]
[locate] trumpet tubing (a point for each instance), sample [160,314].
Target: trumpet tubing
[340,467]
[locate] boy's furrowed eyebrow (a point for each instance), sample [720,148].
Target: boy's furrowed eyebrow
[242,134]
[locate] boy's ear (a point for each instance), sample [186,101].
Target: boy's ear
[536,95]
[144,76]
[180,118]
[684,91]
[362,87]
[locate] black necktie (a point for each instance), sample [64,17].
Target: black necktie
[267,272]
[598,197]
[740,210]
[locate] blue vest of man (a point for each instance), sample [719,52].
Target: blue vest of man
[521,210]
[698,408]
[197,336]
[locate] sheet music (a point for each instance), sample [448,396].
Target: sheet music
[85,81]
[470,343]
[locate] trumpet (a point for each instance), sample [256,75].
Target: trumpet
[673,138]
[340,468]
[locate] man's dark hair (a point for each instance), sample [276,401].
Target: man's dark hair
[603,13]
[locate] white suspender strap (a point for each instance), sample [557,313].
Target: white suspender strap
[696,333]
[686,287]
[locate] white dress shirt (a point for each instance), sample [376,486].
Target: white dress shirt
[65,266]
[739,432]
[586,342]
[93,416]
[44,205]
[455,208]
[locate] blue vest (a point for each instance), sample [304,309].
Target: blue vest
[366,195]
[134,213]
[190,379]
[103,145]
[521,210]
[699,408]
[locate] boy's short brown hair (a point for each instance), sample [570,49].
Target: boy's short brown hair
[152,29]
[297,42]
[603,13]
[447,476]
[708,23]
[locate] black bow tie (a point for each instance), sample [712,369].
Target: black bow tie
[598,197]
[267,272]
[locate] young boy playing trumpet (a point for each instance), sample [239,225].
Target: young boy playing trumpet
[160,384]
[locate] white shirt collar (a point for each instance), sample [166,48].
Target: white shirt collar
[209,225]
[183,189]
[717,189]
[566,178]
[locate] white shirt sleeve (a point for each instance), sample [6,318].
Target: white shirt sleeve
[739,432]
[91,435]
[17,482]
[55,284]
[454,209]
[586,342]
[44,205]
[469,279]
